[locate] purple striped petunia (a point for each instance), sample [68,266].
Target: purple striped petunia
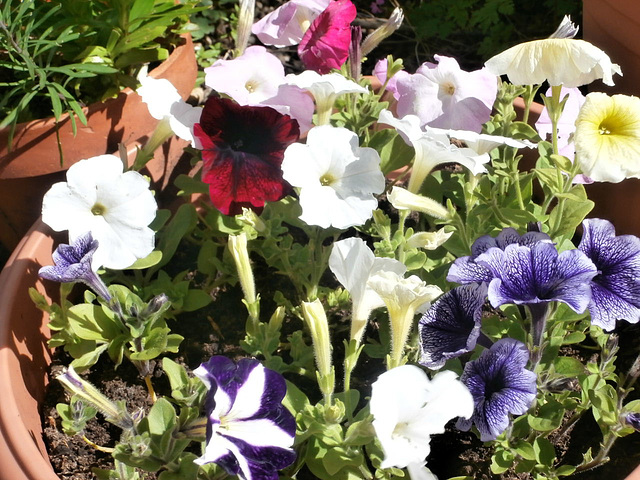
[72,263]
[249,431]
[616,288]
[538,274]
[452,325]
[500,385]
[466,270]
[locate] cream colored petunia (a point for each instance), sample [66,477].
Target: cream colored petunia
[560,61]
[607,137]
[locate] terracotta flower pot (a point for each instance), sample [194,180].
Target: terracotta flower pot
[613,26]
[24,359]
[33,164]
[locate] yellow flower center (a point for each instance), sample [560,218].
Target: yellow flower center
[604,130]
[98,209]
[251,86]
[448,88]
[327,180]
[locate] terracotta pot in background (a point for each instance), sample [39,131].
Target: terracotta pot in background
[613,26]
[24,360]
[33,164]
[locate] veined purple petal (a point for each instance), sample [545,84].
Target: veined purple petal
[500,385]
[538,273]
[616,287]
[465,270]
[452,325]
[73,264]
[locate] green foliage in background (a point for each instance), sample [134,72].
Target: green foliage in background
[449,26]
[57,56]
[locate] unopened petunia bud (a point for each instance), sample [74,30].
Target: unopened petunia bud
[379,34]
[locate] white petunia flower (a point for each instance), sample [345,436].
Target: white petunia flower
[353,263]
[166,104]
[402,297]
[115,207]
[557,59]
[433,147]
[325,89]
[408,408]
[337,178]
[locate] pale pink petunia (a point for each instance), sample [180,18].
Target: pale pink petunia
[443,95]
[287,24]
[325,45]
[257,78]
[380,72]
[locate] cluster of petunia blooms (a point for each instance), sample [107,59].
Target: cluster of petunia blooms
[408,234]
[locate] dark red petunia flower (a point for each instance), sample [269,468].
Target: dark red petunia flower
[242,150]
[325,45]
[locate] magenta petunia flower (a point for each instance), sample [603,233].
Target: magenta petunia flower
[243,147]
[325,45]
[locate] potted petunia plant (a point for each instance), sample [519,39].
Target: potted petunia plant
[458,321]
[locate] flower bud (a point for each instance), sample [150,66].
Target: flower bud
[90,394]
[405,200]
[245,22]
[240,254]
[379,34]
[428,240]
[316,319]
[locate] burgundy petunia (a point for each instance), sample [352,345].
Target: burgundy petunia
[242,149]
[325,45]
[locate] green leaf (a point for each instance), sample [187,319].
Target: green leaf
[295,401]
[161,417]
[88,359]
[549,417]
[565,470]
[195,299]
[544,451]
[574,337]
[188,469]
[568,366]
[501,461]
[149,261]
[525,450]
[90,322]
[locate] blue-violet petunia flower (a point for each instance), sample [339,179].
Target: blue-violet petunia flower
[500,385]
[451,326]
[538,274]
[615,290]
[72,263]
[633,420]
[243,148]
[249,431]
[466,270]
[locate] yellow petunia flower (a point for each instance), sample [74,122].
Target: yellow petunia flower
[607,137]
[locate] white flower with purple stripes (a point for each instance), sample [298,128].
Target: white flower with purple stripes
[249,431]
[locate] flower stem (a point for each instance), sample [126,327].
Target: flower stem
[152,392]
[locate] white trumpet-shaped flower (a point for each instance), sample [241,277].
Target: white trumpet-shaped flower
[432,147]
[353,263]
[402,297]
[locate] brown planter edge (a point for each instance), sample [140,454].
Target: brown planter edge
[24,360]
